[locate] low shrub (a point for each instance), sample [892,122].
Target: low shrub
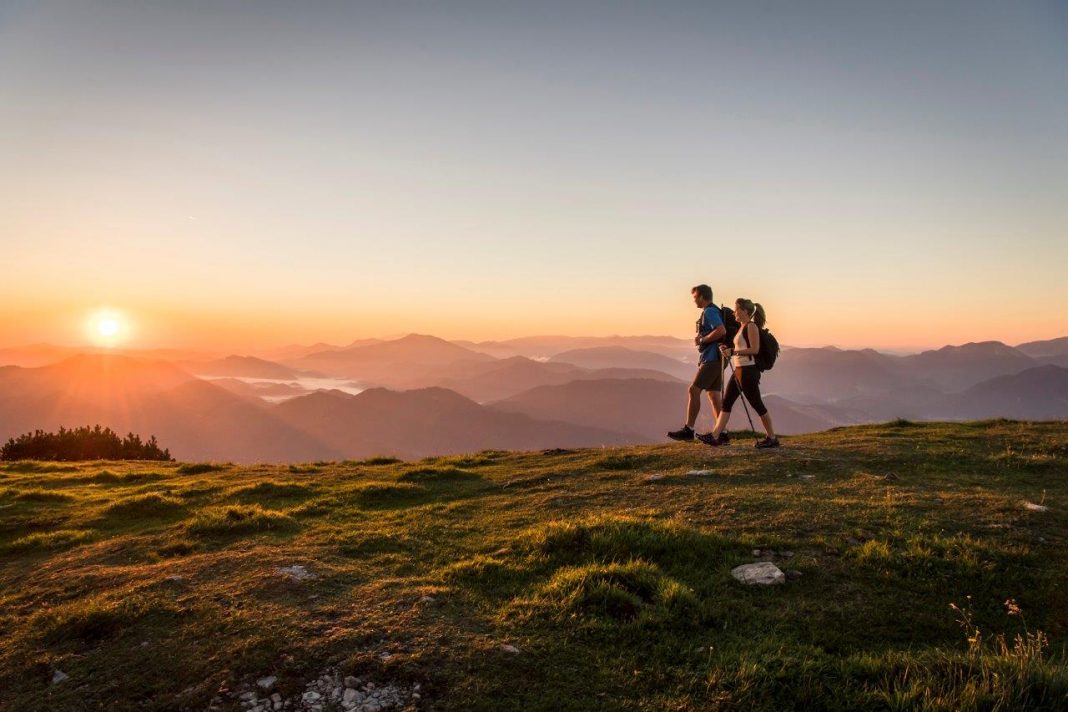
[238,519]
[48,541]
[151,504]
[43,495]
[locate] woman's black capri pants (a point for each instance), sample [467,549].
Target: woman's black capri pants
[750,378]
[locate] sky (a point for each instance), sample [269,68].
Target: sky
[239,174]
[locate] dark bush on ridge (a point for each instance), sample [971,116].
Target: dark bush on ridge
[84,443]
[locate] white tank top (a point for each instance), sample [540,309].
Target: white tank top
[739,343]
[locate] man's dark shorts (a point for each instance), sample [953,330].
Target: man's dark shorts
[709,376]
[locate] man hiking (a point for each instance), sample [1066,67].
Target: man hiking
[710,330]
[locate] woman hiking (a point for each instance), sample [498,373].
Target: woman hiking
[746,378]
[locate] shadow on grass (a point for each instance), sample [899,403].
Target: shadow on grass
[438,474]
[199,468]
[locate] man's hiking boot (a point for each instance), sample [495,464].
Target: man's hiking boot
[709,439]
[685,434]
[768,442]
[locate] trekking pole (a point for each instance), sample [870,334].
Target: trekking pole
[734,375]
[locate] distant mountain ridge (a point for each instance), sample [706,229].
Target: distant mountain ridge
[423,395]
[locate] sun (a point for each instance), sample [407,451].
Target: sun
[107,327]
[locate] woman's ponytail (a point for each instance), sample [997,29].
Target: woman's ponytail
[759,317]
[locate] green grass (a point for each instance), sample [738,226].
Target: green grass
[614,587]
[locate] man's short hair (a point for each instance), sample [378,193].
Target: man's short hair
[704,291]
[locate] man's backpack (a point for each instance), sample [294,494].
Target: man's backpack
[730,324]
[769,351]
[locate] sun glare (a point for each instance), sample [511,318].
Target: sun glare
[107,327]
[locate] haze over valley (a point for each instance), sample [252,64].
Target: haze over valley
[420,395]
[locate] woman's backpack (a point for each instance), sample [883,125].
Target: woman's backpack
[769,351]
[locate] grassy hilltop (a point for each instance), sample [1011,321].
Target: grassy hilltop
[555,580]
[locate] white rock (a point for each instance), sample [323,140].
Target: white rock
[349,695]
[59,676]
[701,473]
[248,696]
[267,682]
[295,572]
[1035,507]
[763,572]
[311,696]
[510,649]
[276,697]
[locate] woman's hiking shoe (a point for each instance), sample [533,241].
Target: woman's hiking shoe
[710,439]
[768,442]
[685,433]
[724,438]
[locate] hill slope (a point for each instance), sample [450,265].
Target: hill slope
[597,578]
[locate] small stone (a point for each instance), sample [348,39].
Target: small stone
[276,697]
[655,476]
[385,657]
[793,575]
[349,695]
[701,473]
[764,573]
[59,676]
[247,696]
[510,649]
[416,696]
[311,697]
[175,579]
[296,573]
[267,682]
[832,551]
[351,681]
[1031,506]
[426,599]
[786,554]
[852,541]
[808,477]
[756,552]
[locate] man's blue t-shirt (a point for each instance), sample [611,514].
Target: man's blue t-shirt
[710,319]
